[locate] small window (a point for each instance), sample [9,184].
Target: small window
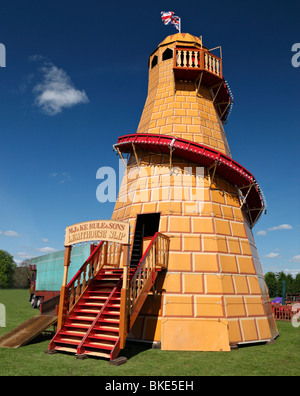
[154,61]
[168,54]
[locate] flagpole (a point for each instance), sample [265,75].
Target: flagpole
[179,25]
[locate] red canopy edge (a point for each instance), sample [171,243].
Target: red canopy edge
[226,167]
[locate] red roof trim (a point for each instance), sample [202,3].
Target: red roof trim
[227,168]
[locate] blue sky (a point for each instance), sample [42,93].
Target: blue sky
[94,57]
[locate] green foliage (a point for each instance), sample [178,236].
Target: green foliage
[271,281]
[281,277]
[21,278]
[275,281]
[297,283]
[7,267]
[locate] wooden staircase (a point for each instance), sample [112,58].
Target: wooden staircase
[92,328]
[103,303]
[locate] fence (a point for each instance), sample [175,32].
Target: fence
[285,312]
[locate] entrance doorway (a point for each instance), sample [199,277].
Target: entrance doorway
[146,226]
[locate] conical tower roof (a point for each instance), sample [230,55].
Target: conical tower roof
[183,38]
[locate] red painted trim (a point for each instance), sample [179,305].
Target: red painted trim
[94,252]
[144,255]
[227,168]
[46,294]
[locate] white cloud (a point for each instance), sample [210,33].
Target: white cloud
[295,259]
[262,232]
[271,255]
[62,177]
[276,228]
[24,255]
[11,233]
[45,239]
[56,91]
[293,272]
[35,58]
[281,227]
[46,250]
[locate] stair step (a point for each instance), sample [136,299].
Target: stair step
[100,345]
[97,354]
[66,349]
[107,328]
[109,320]
[113,305]
[110,280]
[87,310]
[104,337]
[87,318]
[113,313]
[74,333]
[102,298]
[97,293]
[69,341]
[94,308]
[80,315]
[92,304]
[99,306]
[101,289]
[103,285]
[77,325]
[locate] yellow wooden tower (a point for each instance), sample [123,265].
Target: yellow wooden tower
[181,181]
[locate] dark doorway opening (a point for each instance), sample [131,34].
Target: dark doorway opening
[146,226]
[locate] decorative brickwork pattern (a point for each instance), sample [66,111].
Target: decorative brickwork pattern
[214,293]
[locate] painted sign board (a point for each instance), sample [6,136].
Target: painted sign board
[97,230]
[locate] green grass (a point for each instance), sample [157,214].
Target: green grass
[280,358]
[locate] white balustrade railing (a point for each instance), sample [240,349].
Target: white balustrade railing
[198,59]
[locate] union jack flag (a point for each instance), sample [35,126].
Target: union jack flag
[175,21]
[166,17]
[169,17]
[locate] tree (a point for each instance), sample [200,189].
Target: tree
[271,281]
[281,276]
[275,281]
[297,284]
[7,267]
[290,284]
[22,275]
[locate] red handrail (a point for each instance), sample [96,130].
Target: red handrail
[138,276]
[94,252]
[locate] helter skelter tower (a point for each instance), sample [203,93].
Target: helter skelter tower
[181,180]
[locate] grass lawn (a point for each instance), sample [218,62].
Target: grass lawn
[280,358]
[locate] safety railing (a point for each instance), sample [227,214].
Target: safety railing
[155,256]
[106,253]
[198,59]
[136,288]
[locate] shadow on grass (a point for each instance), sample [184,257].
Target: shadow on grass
[131,349]
[45,336]
[134,348]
